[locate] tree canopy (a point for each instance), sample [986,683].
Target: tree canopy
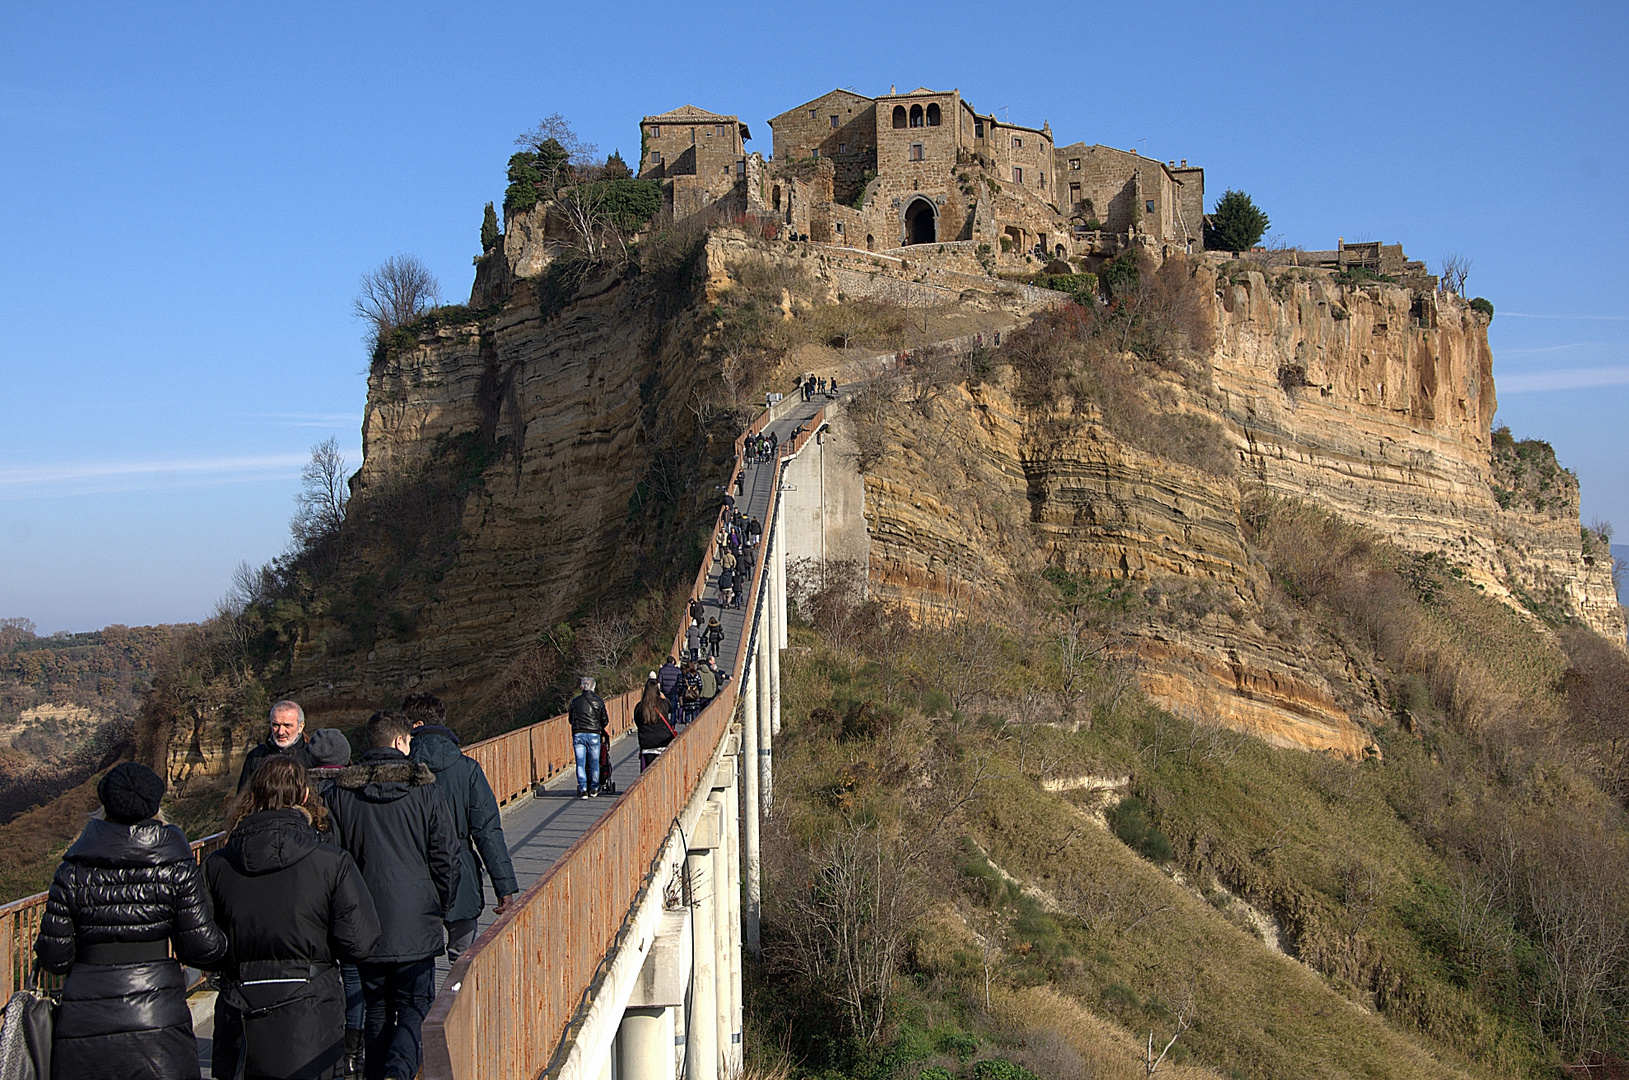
[1237,223]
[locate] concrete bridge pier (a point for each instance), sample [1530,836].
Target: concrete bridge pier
[752,885]
[765,668]
[701,1058]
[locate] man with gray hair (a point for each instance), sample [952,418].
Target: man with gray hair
[588,723]
[286,737]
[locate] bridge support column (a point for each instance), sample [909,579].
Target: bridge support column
[701,1034]
[723,993]
[749,797]
[766,750]
[724,789]
[645,1045]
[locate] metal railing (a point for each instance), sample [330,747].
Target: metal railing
[508,1003]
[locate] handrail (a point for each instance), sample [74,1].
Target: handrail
[512,996]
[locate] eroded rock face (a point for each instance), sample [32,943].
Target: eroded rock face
[1371,402]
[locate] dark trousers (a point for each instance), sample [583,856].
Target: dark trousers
[460,936]
[226,1045]
[397,997]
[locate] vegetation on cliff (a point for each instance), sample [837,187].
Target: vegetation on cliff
[1465,884]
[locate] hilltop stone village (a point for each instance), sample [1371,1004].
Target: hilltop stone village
[924,167]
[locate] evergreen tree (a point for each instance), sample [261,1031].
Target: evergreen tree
[1236,224]
[489,229]
[616,168]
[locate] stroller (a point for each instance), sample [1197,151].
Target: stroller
[607,785]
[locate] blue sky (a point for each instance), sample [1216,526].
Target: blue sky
[188,194]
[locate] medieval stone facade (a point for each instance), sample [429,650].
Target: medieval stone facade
[926,168]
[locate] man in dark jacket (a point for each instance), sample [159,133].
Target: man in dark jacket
[588,723]
[385,810]
[476,820]
[670,681]
[292,907]
[287,736]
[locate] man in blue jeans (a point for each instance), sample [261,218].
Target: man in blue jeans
[588,723]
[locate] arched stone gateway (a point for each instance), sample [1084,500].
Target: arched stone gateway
[921,222]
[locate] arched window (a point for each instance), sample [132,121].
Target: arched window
[899,116]
[933,115]
[916,116]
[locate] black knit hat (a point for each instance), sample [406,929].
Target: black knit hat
[328,746]
[130,792]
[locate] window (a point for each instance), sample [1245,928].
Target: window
[899,116]
[1017,142]
[933,115]
[812,114]
[1149,206]
[916,116]
[1043,181]
[978,129]
[834,121]
[740,168]
[655,131]
[1074,192]
[1074,163]
[839,228]
[842,148]
[724,130]
[916,152]
[656,159]
[815,152]
[1017,175]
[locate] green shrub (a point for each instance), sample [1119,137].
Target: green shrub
[489,229]
[1130,822]
[1236,224]
[1484,305]
[1001,1069]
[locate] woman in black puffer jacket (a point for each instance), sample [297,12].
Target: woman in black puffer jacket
[126,889]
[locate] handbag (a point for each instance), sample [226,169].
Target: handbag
[25,1033]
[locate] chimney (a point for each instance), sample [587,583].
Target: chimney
[1134,150]
[1340,243]
[1184,163]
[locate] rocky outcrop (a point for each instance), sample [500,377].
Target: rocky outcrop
[1371,401]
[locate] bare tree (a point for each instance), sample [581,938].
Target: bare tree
[395,294]
[556,127]
[586,209]
[1455,269]
[602,639]
[320,505]
[1182,1007]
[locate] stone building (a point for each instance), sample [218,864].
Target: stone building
[926,167]
[1114,191]
[702,153]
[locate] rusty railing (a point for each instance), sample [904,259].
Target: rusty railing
[509,1001]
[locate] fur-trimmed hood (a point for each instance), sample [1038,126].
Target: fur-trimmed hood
[384,775]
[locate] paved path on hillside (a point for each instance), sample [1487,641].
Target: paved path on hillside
[538,830]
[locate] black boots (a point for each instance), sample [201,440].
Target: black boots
[353,1052]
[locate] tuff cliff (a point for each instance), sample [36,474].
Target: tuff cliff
[1369,400]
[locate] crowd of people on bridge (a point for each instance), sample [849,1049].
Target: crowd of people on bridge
[322,915]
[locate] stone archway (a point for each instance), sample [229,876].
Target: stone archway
[921,222]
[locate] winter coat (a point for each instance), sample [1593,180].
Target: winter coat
[698,610]
[692,637]
[298,750]
[709,683]
[126,886]
[728,559]
[653,727]
[322,777]
[668,678]
[292,907]
[715,634]
[588,715]
[385,810]
[475,819]
[726,579]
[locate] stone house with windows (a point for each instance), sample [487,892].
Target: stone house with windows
[1115,191]
[702,153]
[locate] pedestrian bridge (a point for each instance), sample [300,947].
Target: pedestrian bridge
[623,956]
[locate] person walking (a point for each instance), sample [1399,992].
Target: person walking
[385,810]
[693,640]
[726,587]
[670,680]
[707,676]
[127,890]
[588,723]
[292,908]
[692,691]
[774,445]
[476,820]
[698,610]
[715,637]
[655,728]
[330,756]
[287,736]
